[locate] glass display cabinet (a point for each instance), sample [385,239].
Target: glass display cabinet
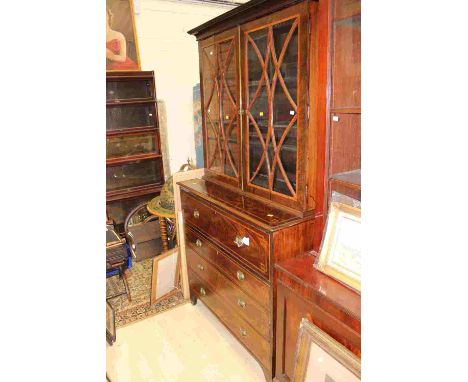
[280,95]
[134,171]
[255,106]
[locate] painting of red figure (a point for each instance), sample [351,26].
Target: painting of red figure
[121,44]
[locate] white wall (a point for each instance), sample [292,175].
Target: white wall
[166,48]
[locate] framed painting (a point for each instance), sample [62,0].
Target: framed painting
[165,278]
[319,358]
[340,254]
[121,40]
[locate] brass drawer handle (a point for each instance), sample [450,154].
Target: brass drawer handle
[241,241]
[240,276]
[196,214]
[200,267]
[243,332]
[241,303]
[202,291]
[198,243]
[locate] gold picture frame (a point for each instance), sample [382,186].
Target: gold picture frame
[340,254]
[319,358]
[121,29]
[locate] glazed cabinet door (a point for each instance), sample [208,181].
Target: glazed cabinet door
[346,56]
[220,100]
[275,105]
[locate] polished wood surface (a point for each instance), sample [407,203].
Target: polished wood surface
[244,13]
[268,216]
[210,229]
[345,143]
[303,291]
[241,329]
[224,231]
[240,302]
[237,273]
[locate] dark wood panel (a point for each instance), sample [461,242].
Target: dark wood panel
[240,328]
[346,61]
[239,15]
[224,231]
[240,275]
[345,144]
[262,213]
[232,295]
[302,291]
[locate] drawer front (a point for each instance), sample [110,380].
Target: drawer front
[243,278]
[232,295]
[249,245]
[242,330]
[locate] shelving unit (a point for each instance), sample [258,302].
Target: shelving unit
[344,164]
[134,164]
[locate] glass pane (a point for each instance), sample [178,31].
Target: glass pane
[346,73]
[274,111]
[133,174]
[227,65]
[128,89]
[130,145]
[128,116]
[210,93]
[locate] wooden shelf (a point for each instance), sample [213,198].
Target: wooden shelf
[133,192]
[351,179]
[132,158]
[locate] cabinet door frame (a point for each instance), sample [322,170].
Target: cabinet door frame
[301,13]
[224,152]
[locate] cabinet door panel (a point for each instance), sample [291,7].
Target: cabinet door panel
[130,116]
[275,104]
[346,64]
[129,145]
[119,90]
[220,80]
[135,174]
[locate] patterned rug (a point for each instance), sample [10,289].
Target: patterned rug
[139,283]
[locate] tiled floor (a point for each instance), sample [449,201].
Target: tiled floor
[185,344]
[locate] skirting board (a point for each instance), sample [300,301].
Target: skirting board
[179,177]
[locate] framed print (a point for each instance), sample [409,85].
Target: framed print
[121,41]
[319,358]
[340,254]
[165,277]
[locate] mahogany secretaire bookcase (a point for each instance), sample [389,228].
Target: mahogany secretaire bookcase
[270,152]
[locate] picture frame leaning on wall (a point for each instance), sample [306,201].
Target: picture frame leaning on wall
[340,253]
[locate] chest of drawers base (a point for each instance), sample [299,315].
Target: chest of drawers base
[230,255]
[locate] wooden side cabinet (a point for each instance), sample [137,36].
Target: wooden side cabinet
[302,291]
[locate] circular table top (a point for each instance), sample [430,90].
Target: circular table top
[154,208]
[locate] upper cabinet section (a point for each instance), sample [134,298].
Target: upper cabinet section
[220,90]
[346,48]
[255,82]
